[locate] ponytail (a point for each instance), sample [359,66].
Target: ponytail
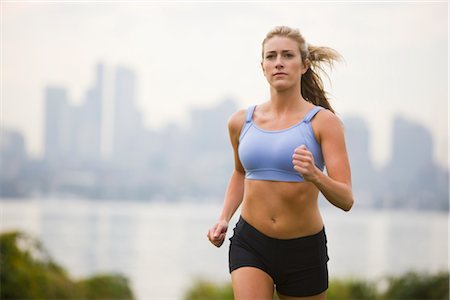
[311,84]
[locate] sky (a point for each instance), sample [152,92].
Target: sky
[195,54]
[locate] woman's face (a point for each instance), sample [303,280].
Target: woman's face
[282,63]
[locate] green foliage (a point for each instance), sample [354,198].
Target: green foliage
[204,290]
[351,289]
[28,272]
[415,286]
[408,286]
[111,286]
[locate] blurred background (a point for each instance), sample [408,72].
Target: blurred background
[114,146]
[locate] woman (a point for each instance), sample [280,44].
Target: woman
[280,149]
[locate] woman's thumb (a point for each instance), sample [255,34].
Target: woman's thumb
[218,230]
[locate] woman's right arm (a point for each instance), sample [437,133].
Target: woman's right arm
[235,189]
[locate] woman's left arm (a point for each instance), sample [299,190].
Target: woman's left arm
[337,185]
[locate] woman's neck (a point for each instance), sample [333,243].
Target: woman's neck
[287,100]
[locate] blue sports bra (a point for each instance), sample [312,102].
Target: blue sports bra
[267,155]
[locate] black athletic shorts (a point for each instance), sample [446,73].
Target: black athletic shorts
[297,266]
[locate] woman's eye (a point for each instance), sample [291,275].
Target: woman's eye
[269,56]
[288,55]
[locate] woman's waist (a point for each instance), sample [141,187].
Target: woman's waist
[250,233]
[282,219]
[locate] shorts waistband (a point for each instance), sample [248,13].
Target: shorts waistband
[242,224]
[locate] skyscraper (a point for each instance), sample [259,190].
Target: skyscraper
[364,179]
[88,128]
[57,125]
[128,130]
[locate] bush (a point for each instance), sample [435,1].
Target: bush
[28,272]
[415,286]
[351,289]
[204,290]
[110,286]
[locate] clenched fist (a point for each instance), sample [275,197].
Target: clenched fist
[217,233]
[303,161]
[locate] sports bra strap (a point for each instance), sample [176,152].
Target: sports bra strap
[250,111]
[307,118]
[312,113]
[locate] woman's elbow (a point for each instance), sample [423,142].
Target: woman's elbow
[349,204]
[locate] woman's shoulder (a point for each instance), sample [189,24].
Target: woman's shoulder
[327,120]
[327,116]
[237,120]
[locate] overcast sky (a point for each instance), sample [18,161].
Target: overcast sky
[195,54]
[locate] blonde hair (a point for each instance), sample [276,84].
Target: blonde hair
[312,56]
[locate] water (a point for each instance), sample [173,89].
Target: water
[163,248]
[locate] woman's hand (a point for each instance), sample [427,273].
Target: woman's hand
[217,233]
[303,161]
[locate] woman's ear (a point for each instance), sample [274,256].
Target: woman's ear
[306,65]
[262,68]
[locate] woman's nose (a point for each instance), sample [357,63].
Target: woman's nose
[279,63]
[279,66]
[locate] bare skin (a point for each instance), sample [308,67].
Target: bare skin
[284,209]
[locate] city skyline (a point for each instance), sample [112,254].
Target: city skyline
[116,120]
[384,73]
[122,95]
[144,165]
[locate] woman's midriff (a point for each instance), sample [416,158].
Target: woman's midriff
[282,210]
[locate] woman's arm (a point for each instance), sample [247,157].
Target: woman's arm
[233,195]
[235,190]
[336,186]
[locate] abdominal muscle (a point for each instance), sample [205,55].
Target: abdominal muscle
[282,210]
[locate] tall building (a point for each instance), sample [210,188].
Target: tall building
[73,133]
[57,125]
[412,178]
[209,125]
[364,179]
[13,163]
[412,152]
[88,120]
[128,132]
